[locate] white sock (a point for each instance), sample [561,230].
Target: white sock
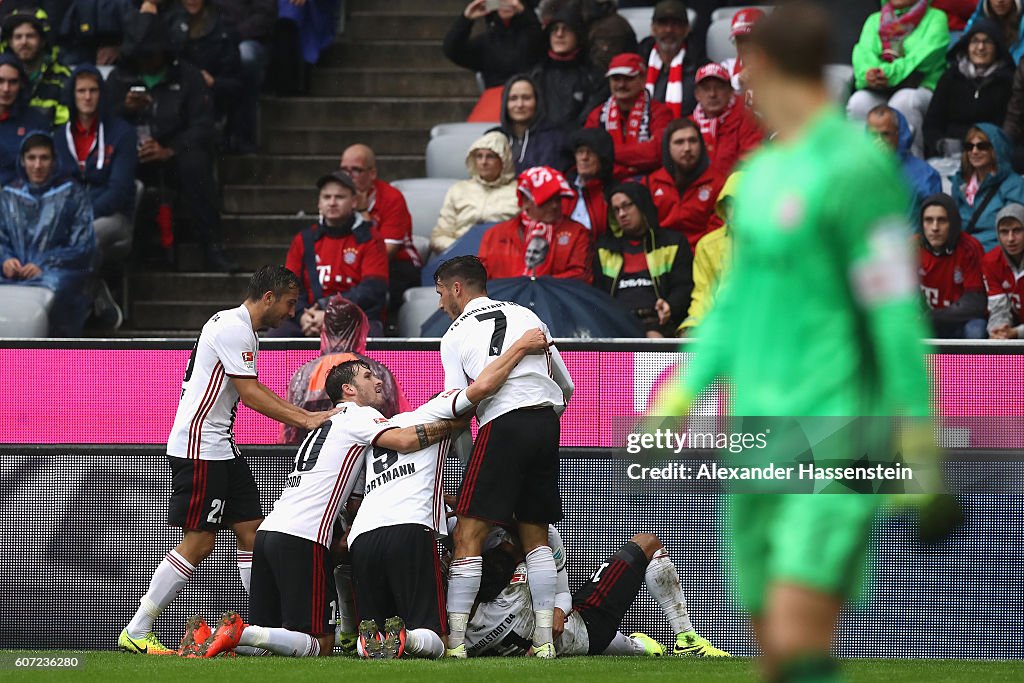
[623,646]
[463,585]
[244,567]
[424,643]
[250,651]
[663,583]
[170,577]
[346,620]
[280,641]
[540,569]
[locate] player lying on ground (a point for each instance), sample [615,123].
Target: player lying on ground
[289,603]
[586,623]
[212,486]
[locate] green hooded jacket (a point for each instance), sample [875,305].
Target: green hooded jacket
[924,53]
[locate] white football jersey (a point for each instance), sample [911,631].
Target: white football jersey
[485,330]
[406,488]
[327,467]
[205,420]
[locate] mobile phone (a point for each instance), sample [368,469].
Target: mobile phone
[492,5]
[137,90]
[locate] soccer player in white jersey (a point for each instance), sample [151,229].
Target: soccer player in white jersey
[503,617]
[512,477]
[396,574]
[212,486]
[292,584]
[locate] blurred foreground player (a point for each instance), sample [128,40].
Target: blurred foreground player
[821,212]
[211,481]
[512,477]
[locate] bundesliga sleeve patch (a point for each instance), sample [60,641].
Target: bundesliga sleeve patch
[887,270]
[249,360]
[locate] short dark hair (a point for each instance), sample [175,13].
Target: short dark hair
[466,269]
[342,374]
[883,110]
[796,37]
[274,279]
[36,140]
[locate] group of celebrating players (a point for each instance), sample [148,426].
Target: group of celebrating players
[375,585]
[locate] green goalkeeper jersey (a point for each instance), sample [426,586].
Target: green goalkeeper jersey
[819,314]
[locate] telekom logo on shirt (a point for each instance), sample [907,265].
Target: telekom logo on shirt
[324,273]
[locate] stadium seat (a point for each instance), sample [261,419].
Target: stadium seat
[640,19]
[425,196]
[719,46]
[24,311]
[446,155]
[422,244]
[839,78]
[420,293]
[463,128]
[413,313]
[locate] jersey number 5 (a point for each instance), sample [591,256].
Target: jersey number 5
[498,336]
[309,451]
[383,458]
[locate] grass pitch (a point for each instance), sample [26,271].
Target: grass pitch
[104,667]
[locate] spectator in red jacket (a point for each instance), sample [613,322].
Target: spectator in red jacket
[379,202]
[1003,268]
[950,272]
[730,131]
[341,254]
[590,176]
[686,188]
[633,118]
[542,239]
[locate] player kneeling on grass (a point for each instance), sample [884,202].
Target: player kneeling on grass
[587,622]
[291,590]
[396,575]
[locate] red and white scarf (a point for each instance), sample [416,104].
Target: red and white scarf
[638,124]
[674,89]
[709,125]
[893,28]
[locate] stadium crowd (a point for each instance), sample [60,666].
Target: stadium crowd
[582,112]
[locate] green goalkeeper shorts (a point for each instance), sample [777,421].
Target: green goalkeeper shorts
[817,541]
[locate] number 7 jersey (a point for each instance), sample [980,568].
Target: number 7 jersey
[326,469]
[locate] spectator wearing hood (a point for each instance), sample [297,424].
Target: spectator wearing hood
[533,142]
[670,65]
[1003,270]
[710,259]
[686,188]
[893,131]
[975,88]
[26,33]
[898,60]
[1008,15]
[594,152]
[645,268]
[16,117]
[634,119]
[98,149]
[342,338]
[46,235]
[950,271]
[174,119]
[340,254]
[729,129]
[511,41]
[569,85]
[985,182]
[541,240]
[200,37]
[489,196]
[91,31]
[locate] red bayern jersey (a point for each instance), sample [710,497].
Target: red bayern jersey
[390,212]
[1000,280]
[342,262]
[944,279]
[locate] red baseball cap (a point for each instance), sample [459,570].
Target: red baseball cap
[712,70]
[625,64]
[744,20]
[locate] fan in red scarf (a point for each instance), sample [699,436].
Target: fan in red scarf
[541,240]
[637,139]
[729,129]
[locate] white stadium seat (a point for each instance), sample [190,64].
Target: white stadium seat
[425,196]
[839,78]
[475,128]
[414,312]
[24,311]
[719,46]
[446,155]
[419,293]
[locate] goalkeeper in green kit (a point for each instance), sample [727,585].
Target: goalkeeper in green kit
[819,315]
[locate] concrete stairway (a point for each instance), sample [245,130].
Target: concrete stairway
[385,83]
